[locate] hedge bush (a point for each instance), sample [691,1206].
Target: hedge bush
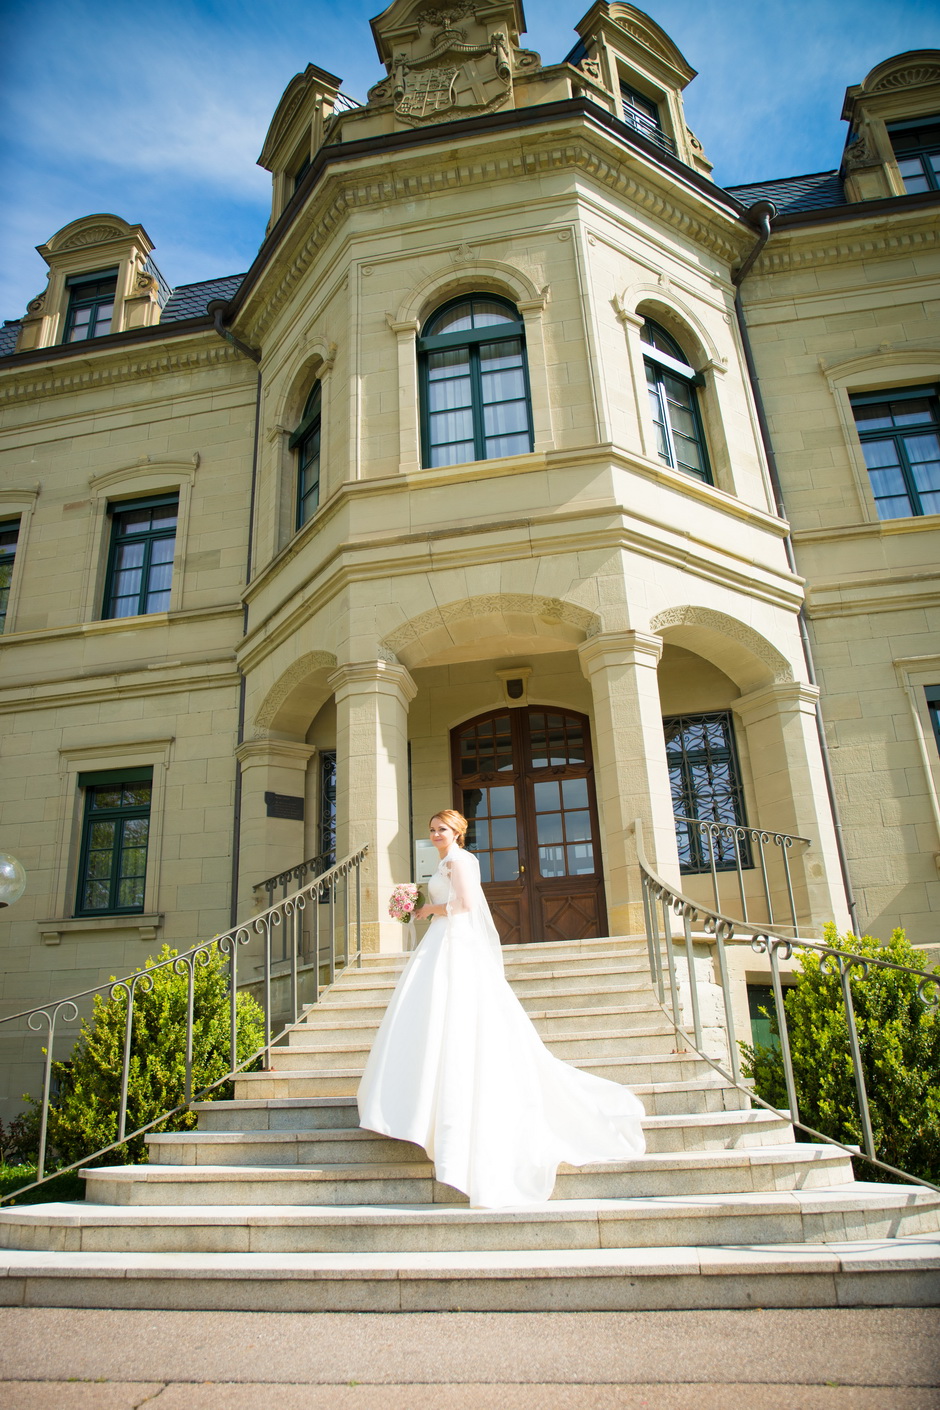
[899,1039]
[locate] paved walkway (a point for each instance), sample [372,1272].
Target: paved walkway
[865,1359]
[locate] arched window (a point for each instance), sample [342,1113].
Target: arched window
[306,442]
[474,382]
[672,385]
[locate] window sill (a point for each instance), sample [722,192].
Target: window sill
[51,931]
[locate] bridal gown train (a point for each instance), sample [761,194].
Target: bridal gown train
[458,1068]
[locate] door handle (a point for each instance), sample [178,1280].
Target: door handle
[521,868]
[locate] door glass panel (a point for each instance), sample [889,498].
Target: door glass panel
[503,831]
[546,796]
[552,861]
[549,828]
[581,859]
[574,791]
[492,832]
[578,827]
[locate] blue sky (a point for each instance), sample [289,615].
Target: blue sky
[157,113]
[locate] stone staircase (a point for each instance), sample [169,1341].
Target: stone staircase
[280,1202]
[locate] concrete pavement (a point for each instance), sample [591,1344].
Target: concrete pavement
[851,1359]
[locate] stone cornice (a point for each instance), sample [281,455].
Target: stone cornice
[905,232]
[586,149]
[109,368]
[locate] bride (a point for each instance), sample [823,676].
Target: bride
[458,1068]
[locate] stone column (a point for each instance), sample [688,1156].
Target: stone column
[790,791]
[630,768]
[409,430]
[270,841]
[372,699]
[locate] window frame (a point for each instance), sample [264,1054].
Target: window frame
[91,280]
[311,425]
[8,554]
[917,138]
[88,783]
[149,537]
[932,696]
[930,392]
[694,843]
[633,114]
[662,364]
[472,339]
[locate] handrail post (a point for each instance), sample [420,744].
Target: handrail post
[266,991]
[772,946]
[359,913]
[294,929]
[760,838]
[785,844]
[726,1000]
[868,1138]
[693,978]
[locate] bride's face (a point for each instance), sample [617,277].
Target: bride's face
[441,835]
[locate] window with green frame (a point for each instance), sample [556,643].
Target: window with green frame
[917,150]
[305,442]
[91,305]
[900,435]
[9,533]
[112,867]
[140,564]
[475,401]
[673,392]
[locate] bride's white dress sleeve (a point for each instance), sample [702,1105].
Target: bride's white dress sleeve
[458,1068]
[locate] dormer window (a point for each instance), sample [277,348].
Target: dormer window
[642,114]
[917,149]
[91,305]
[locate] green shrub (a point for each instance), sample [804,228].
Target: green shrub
[84,1117]
[899,1039]
[70,1186]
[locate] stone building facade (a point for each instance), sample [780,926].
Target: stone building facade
[519,437]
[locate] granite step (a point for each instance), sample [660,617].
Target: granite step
[851,1211]
[692,1172]
[307,1145]
[330,1026]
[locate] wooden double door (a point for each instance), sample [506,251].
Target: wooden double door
[524,779]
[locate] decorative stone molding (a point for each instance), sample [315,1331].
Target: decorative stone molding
[304,666]
[913,76]
[776,260]
[550,610]
[356,676]
[63,376]
[732,630]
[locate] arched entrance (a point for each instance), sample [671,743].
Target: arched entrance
[525,780]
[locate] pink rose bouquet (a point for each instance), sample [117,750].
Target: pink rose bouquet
[404,901]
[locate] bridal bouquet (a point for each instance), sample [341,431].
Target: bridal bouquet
[404,901]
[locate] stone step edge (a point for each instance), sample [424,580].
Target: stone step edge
[847,1197]
[794,1154]
[668,1122]
[911,1252]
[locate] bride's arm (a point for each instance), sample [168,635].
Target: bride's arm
[464,884]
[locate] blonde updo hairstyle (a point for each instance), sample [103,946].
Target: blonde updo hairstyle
[453,819]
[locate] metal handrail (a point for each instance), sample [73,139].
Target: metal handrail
[661,900]
[294,877]
[742,839]
[286,915]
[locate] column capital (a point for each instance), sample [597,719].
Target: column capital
[609,649]
[367,677]
[274,751]
[797,696]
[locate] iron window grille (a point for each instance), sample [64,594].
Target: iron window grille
[306,442]
[9,533]
[326,842]
[705,779]
[91,305]
[917,152]
[642,114]
[140,564]
[900,436]
[115,835]
[672,385]
[474,383]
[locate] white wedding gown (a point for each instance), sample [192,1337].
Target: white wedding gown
[458,1068]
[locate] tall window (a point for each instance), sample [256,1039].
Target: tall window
[900,435]
[306,443]
[91,305]
[474,383]
[9,532]
[115,832]
[706,784]
[672,384]
[642,114]
[326,837]
[917,149]
[140,568]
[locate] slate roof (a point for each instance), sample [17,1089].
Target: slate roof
[794,194]
[8,335]
[189,300]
